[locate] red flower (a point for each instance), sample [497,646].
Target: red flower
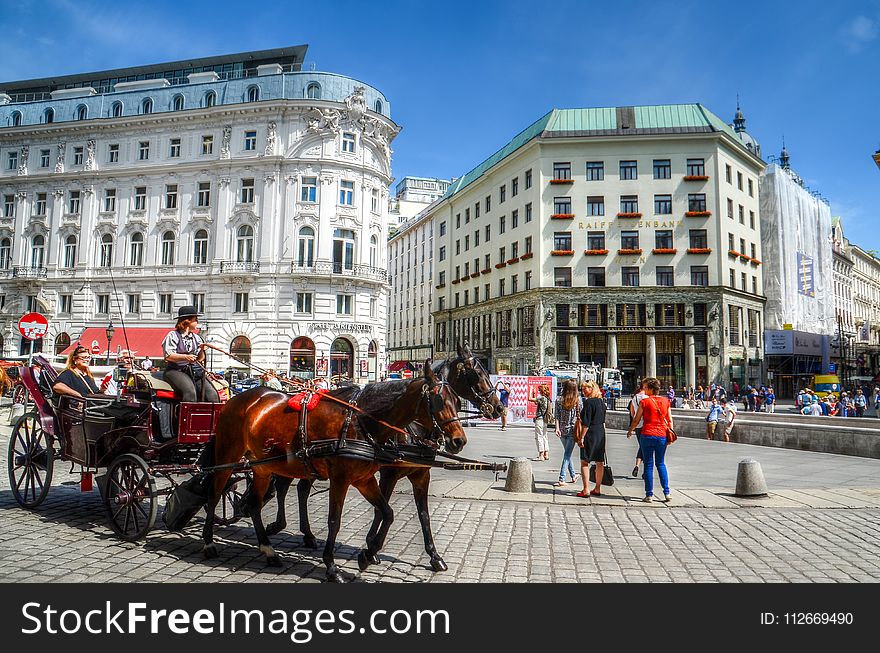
[595,252]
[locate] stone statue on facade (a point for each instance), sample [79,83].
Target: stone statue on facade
[270,139]
[59,162]
[22,166]
[356,104]
[318,119]
[90,154]
[224,145]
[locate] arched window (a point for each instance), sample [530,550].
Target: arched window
[343,250]
[116,109]
[374,251]
[305,251]
[378,106]
[168,248]
[16,119]
[62,342]
[241,348]
[313,91]
[38,251]
[210,99]
[253,93]
[147,106]
[200,247]
[341,358]
[302,358]
[70,251]
[49,115]
[178,103]
[82,112]
[244,250]
[106,251]
[136,259]
[373,360]
[5,253]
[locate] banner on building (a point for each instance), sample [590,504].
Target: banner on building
[865,332]
[519,409]
[806,283]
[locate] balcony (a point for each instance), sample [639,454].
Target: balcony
[24,272]
[324,268]
[240,267]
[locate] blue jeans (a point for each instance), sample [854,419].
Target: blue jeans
[654,448]
[567,448]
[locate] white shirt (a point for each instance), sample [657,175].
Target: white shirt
[730,411]
[815,409]
[637,399]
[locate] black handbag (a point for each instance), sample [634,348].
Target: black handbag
[607,474]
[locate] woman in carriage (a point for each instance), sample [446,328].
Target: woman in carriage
[76,380]
[185,356]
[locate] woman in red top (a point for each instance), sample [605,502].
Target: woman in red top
[656,418]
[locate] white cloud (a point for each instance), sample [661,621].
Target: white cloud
[860,31]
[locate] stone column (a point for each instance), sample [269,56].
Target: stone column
[612,351]
[690,360]
[651,355]
[573,353]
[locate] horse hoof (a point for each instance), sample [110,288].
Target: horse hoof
[334,577]
[310,542]
[274,528]
[210,551]
[374,558]
[273,561]
[364,560]
[437,564]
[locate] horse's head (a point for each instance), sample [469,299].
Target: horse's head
[470,381]
[438,411]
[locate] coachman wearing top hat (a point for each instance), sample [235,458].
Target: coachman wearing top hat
[185,357]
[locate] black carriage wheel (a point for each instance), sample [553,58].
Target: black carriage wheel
[20,395]
[231,506]
[31,458]
[130,497]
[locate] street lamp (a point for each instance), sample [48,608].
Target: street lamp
[109,331]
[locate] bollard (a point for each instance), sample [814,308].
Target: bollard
[15,412]
[750,479]
[519,476]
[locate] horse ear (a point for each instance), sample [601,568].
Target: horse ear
[467,351]
[459,350]
[429,373]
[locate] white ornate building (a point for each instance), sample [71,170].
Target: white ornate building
[238,183]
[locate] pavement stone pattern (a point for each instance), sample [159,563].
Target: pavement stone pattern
[483,533]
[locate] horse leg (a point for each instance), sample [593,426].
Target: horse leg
[369,489]
[388,478]
[338,490]
[420,478]
[282,484]
[303,489]
[219,481]
[255,505]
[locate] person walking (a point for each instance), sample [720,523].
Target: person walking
[568,409]
[670,395]
[712,419]
[656,420]
[860,402]
[503,388]
[633,407]
[729,411]
[591,439]
[542,409]
[770,399]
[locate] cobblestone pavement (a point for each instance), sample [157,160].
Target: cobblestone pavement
[484,534]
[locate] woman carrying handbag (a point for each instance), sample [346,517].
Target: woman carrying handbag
[591,439]
[657,434]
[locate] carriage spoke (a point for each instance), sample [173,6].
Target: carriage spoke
[127,515]
[134,516]
[118,510]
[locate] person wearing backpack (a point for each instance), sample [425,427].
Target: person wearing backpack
[544,418]
[567,409]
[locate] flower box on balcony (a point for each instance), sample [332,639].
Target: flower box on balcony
[595,252]
[513,260]
[465,278]
[562,252]
[696,177]
[561,216]
[745,257]
[562,181]
[630,251]
[527,255]
[697,214]
[700,250]
[629,215]
[439,286]
[455,282]
[498,266]
[486,271]
[755,261]
[664,250]
[733,253]
[475,275]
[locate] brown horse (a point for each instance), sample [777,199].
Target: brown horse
[469,380]
[5,382]
[260,426]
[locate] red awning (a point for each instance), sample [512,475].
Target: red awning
[396,366]
[141,341]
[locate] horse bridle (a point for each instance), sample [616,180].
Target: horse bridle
[438,435]
[485,408]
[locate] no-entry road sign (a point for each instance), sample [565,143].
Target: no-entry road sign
[33,326]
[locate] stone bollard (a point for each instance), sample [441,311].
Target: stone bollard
[750,479]
[16,411]
[519,476]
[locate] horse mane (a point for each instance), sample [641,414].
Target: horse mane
[375,398]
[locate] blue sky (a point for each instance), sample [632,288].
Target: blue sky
[463,78]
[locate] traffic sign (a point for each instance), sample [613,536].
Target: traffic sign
[407,374]
[33,326]
[96,347]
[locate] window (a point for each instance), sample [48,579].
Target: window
[751,188]
[502,194]
[488,261]
[313,91]
[140,198]
[528,179]
[699,275]
[477,238]
[514,284]
[16,119]
[244,250]
[442,279]
[210,99]
[698,239]
[476,211]
[49,115]
[696,201]
[734,325]
[595,170]
[514,219]
[343,250]
[742,280]
[102,304]
[443,228]
[378,106]
[198,300]
[467,243]
[170,196]
[5,254]
[662,169]
[136,250]
[502,222]
[629,170]
[12,160]
[754,291]
[174,152]
[663,239]
[596,277]
[133,303]
[9,206]
[304,303]
[346,193]
[168,248]
[110,200]
[348,142]
[732,280]
[253,94]
[147,106]
[502,254]
[562,205]
[250,141]
[751,219]
[442,254]
[65,303]
[77,156]
[374,251]
[727,173]
[741,213]
[514,187]
[754,250]
[742,246]
[501,287]
[73,204]
[527,245]
[106,251]
[113,153]
[699,311]
[116,110]
[44,158]
[529,212]
[595,240]
[595,206]
[203,196]
[247,191]
[374,200]
[739,180]
[344,304]
[38,251]
[562,240]
[488,232]
[629,204]
[309,189]
[696,167]
[70,252]
[528,280]
[200,247]
[178,103]
[241,302]
[730,208]
[562,170]
[207,144]
[665,275]
[467,218]
[143,150]
[82,112]
[629,276]
[40,208]
[562,277]
[629,239]
[165,302]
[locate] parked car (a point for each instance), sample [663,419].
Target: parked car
[243,385]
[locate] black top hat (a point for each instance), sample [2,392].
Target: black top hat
[187,311]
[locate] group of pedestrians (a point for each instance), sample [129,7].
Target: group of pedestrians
[849,404]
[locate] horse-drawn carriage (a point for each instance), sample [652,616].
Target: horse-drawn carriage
[140,436]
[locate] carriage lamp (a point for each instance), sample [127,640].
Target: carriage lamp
[109,331]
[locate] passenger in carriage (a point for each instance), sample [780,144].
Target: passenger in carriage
[185,357]
[76,380]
